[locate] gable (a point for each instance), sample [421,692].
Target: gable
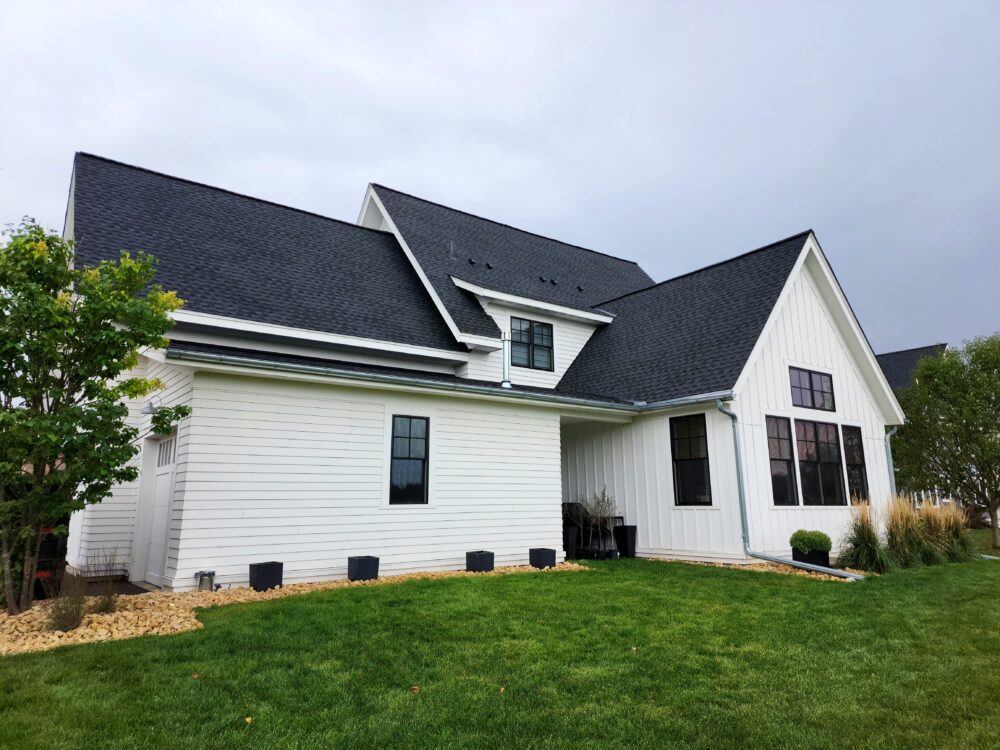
[238,257]
[447,243]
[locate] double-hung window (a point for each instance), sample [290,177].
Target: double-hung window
[779,450]
[812,390]
[820,467]
[854,457]
[408,472]
[689,448]
[531,344]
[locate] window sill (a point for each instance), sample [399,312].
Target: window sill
[406,506]
[695,507]
[810,507]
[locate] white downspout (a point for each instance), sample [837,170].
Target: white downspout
[888,455]
[505,383]
[744,522]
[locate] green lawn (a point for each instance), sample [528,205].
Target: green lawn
[629,654]
[984,542]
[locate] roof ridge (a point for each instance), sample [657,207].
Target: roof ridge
[508,226]
[913,349]
[768,246]
[147,170]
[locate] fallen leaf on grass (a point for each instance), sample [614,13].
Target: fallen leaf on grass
[414,689]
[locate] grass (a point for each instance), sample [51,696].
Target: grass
[983,541]
[630,654]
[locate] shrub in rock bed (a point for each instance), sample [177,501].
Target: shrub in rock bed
[67,607]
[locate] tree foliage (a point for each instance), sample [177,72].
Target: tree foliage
[951,439]
[68,339]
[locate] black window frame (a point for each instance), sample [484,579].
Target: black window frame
[778,446]
[833,472]
[535,328]
[814,388]
[395,496]
[682,459]
[854,462]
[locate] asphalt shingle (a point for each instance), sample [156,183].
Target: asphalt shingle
[899,366]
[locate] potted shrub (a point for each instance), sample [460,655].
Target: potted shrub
[811,547]
[601,509]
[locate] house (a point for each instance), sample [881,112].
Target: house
[425,382]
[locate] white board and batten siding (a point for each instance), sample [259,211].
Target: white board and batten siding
[299,472]
[568,338]
[633,461]
[804,335]
[109,527]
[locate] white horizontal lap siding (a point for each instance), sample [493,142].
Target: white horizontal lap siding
[109,526]
[568,338]
[634,462]
[298,472]
[803,335]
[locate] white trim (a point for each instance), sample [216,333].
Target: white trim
[488,295]
[272,329]
[882,392]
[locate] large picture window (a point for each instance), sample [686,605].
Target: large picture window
[689,448]
[854,458]
[812,390]
[820,470]
[408,472]
[779,450]
[531,344]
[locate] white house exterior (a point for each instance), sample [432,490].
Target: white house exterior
[348,394]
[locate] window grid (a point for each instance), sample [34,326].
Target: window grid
[820,466]
[408,469]
[811,390]
[531,344]
[689,450]
[854,458]
[165,452]
[782,458]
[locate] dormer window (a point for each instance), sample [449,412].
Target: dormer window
[531,344]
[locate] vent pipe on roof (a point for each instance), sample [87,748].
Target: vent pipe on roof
[505,383]
[451,250]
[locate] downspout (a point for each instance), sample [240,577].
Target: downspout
[505,383]
[745,523]
[888,455]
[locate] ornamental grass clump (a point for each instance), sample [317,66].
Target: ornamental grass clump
[862,547]
[67,607]
[907,536]
[945,530]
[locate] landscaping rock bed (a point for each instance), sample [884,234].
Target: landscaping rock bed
[162,613]
[788,570]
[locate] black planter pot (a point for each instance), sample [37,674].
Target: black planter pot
[266,575]
[479,562]
[362,568]
[813,558]
[542,557]
[625,540]
[569,542]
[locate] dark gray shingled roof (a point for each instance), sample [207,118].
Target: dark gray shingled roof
[686,336]
[182,347]
[506,259]
[229,254]
[899,366]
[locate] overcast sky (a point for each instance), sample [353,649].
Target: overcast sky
[674,134]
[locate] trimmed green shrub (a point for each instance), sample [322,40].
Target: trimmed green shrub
[810,541]
[862,547]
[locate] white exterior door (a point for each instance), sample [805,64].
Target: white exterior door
[163,490]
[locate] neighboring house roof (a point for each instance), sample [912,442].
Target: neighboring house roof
[180,350]
[231,255]
[899,366]
[447,242]
[689,335]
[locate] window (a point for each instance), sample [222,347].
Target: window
[820,470]
[813,390]
[854,457]
[530,344]
[779,450]
[165,452]
[408,473]
[689,446]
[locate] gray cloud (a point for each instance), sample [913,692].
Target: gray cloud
[676,135]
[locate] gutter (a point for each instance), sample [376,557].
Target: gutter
[888,455]
[745,524]
[507,392]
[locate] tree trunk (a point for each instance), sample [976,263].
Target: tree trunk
[996,529]
[8,574]
[31,550]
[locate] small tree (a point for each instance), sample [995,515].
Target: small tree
[951,438]
[68,337]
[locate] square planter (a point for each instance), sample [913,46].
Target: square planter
[570,534]
[542,557]
[625,540]
[479,562]
[362,568]
[813,558]
[266,575]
